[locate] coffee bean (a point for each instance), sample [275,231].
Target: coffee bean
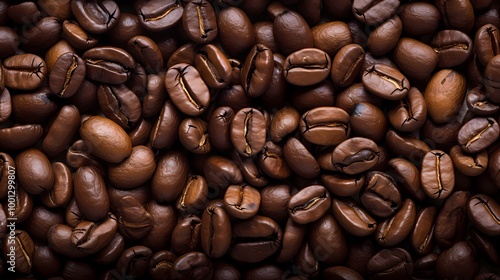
[307,67]
[248,131]
[385,82]
[309,204]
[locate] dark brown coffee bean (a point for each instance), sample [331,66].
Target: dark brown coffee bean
[272,162]
[309,204]
[79,155]
[458,262]
[96,17]
[291,31]
[215,231]
[299,159]
[307,67]
[134,261]
[199,21]
[67,75]
[103,135]
[484,212]
[241,201]
[194,136]
[478,102]
[20,136]
[485,245]
[257,71]
[470,165]
[355,155]
[407,146]
[221,172]
[395,229]
[284,122]
[487,43]
[327,240]
[380,197]
[352,217]
[453,47]
[59,239]
[24,71]
[491,81]
[90,193]
[194,195]
[415,59]
[7,165]
[368,121]
[394,263]
[91,237]
[307,98]
[10,41]
[478,134]
[77,36]
[293,235]
[145,51]
[192,265]
[445,86]
[236,32]
[135,170]
[410,113]
[420,18]
[46,262]
[385,37]
[248,131]
[422,235]
[22,247]
[187,90]
[353,95]
[325,126]
[159,15]
[451,222]
[108,65]
[342,185]
[263,31]
[347,64]
[341,273]
[385,82]
[450,11]
[42,35]
[166,128]
[34,171]
[164,221]
[62,131]
[160,264]
[331,36]
[437,175]
[214,67]
[61,192]
[373,12]
[171,176]
[186,236]
[5,104]
[255,239]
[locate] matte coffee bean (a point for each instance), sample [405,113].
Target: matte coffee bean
[385,82]
[437,175]
[161,264]
[353,218]
[307,67]
[199,21]
[248,131]
[134,261]
[187,90]
[478,134]
[355,155]
[309,204]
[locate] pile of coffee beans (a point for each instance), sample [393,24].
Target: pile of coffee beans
[249,139]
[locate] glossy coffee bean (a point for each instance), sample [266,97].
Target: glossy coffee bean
[170,176]
[453,47]
[248,133]
[453,212]
[108,65]
[67,75]
[380,196]
[353,218]
[327,240]
[437,175]
[463,253]
[199,21]
[331,36]
[355,155]
[422,235]
[34,171]
[194,195]
[395,229]
[479,103]
[325,126]
[368,121]
[306,67]
[410,113]
[257,70]
[483,213]
[214,67]
[24,71]
[272,162]
[385,82]
[215,231]
[96,17]
[241,201]
[347,64]
[478,134]
[309,204]
[235,31]
[157,15]
[194,136]
[390,264]
[90,193]
[299,159]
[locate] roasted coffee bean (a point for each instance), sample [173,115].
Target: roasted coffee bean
[135,170]
[453,47]
[248,131]
[166,128]
[284,122]
[385,82]
[194,136]
[394,263]
[478,134]
[437,175]
[108,65]
[327,240]
[309,204]
[325,126]
[395,229]
[34,170]
[483,213]
[415,59]
[299,159]
[22,247]
[272,163]
[445,87]
[160,264]
[407,146]
[186,236]
[368,121]
[10,41]
[256,74]
[7,167]
[255,239]
[46,262]
[170,176]
[106,139]
[215,69]
[462,257]
[61,131]
[478,103]
[164,221]
[485,245]
[192,265]
[470,165]
[355,155]
[221,172]
[385,37]
[5,104]
[420,18]
[453,212]
[215,231]
[491,81]
[352,217]
[199,21]
[341,273]
[331,36]
[347,64]
[293,235]
[157,15]
[487,43]
[77,36]
[20,136]
[145,51]
[24,71]
[59,239]
[373,12]
[90,193]
[134,261]
[90,237]
[236,32]
[307,67]
[422,236]
[450,12]
[194,195]
[380,197]
[342,185]
[96,17]
[410,113]
[67,75]
[187,90]
[241,201]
